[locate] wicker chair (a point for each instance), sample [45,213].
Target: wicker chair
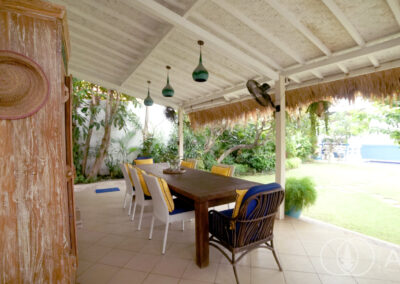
[253,226]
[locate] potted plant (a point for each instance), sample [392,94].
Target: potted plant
[299,193]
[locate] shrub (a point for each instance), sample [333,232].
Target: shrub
[299,193]
[241,169]
[292,163]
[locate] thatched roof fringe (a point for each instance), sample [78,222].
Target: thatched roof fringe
[374,86]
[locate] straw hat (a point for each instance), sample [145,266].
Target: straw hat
[24,88]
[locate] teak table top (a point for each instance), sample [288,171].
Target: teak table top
[199,185]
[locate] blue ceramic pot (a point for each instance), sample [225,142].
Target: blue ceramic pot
[293,213]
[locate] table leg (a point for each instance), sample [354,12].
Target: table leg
[202,247]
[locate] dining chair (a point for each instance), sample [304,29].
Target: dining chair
[165,208]
[129,189]
[223,170]
[141,198]
[143,161]
[190,163]
[249,226]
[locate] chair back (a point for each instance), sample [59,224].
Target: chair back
[160,209]
[138,185]
[143,161]
[230,172]
[255,221]
[189,163]
[128,182]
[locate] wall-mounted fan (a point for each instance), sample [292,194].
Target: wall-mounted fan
[170,114]
[260,94]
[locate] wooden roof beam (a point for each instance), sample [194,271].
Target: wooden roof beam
[214,27]
[153,8]
[291,18]
[395,7]
[225,5]
[158,44]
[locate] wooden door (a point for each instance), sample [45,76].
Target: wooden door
[70,163]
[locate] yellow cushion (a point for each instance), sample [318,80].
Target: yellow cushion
[144,161]
[239,198]
[167,194]
[142,182]
[187,164]
[223,171]
[127,168]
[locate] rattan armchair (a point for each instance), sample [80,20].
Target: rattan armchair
[253,226]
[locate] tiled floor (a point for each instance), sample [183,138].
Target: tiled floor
[112,250]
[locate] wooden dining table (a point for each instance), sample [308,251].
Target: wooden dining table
[205,190]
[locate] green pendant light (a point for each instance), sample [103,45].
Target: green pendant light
[168,91]
[148,101]
[200,74]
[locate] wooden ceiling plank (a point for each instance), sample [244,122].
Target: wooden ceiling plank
[153,8]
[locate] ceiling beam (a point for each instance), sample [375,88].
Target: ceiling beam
[340,57]
[190,107]
[317,74]
[159,11]
[164,38]
[395,7]
[227,6]
[222,32]
[343,67]
[292,18]
[351,29]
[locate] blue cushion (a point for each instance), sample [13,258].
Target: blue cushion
[257,189]
[142,158]
[146,197]
[181,206]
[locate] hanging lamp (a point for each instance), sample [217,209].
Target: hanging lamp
[168,91]
[200,74]
[148,101]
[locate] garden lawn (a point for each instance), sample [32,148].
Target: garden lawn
[360,197]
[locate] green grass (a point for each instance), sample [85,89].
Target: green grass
[347,196]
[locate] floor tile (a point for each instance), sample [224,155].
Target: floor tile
[331,279]
[170,266]
[94,253]
[110,240]
[207,274]
[83,265]
[296,263]
[225,274]
[263,258]
[143,262]
[295,277]
[117,257]
[160,279]
[127,276]
[266,276]
[188,281]
[98,274]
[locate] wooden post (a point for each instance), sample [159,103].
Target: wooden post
[280,138]
[180,133]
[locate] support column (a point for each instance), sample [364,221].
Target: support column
[280,121]
[146,124]
[180,133]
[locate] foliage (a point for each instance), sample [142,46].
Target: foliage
[292,163]
[87,107]
[299,193]
[317,111]
[390,117]
[349,123]
[155,148]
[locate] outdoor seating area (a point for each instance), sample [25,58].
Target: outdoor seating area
[81,203]
[112,250]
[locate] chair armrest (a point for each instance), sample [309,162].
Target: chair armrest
[221,226]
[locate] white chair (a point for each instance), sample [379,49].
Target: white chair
[229,173]
[140,198]
[129,189]
[189,163]
[181,212]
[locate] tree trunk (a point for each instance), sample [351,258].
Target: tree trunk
[89,134]
[111,108]
[256,143]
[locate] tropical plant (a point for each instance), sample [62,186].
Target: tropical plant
[390,117]
[299,193]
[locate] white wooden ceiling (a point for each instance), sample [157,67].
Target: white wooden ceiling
[123,43]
